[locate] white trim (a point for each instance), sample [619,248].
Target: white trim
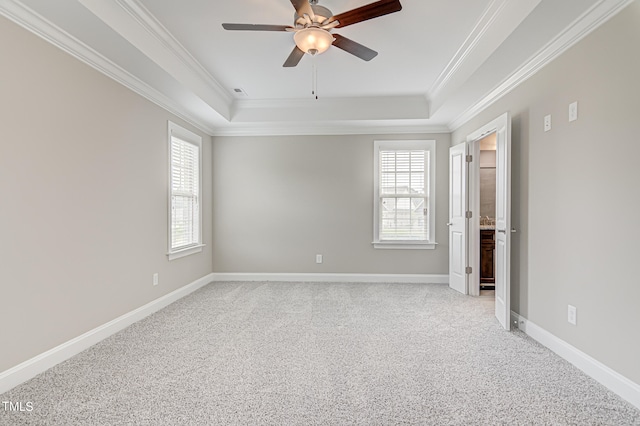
[177,254]
[473,197]
[333,278]
[184,134]
[612,380]
[124,21]
[498,21]
[36,365]
[149,22]
[179,132]
[331,128]
[38,25]
[464,51]
[404,245]
[428,145]
[595,16]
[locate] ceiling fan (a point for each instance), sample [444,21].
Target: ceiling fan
[313,23]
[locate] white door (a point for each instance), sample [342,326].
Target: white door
[457,218]
[503,220]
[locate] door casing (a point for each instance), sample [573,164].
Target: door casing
[473,193]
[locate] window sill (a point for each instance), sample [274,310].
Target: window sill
[185,252]
[404,245]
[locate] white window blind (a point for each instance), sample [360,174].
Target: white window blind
[184,192]
[185,189]
[404,194]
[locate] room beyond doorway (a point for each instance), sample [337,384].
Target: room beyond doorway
[487,196]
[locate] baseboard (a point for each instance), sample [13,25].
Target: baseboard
[40,363]
[334,278]
[614,381]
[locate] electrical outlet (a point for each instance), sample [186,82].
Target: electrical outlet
[573,111]
[318,258]
[572,314]
[155,279]
[547,123]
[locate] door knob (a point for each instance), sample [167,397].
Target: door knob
[513,230]
[449,224]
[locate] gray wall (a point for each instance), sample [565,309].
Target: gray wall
[279,201]
[83,184]
[575,193]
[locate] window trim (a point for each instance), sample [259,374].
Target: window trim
[179,132]
[424,144]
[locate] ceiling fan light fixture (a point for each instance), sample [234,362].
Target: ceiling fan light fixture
[313,40]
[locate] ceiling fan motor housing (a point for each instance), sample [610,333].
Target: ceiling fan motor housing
[321,15]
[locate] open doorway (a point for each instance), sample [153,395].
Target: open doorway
[496,132]
[466,222]
[487,216]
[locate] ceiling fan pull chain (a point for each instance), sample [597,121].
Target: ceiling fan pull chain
[314,78]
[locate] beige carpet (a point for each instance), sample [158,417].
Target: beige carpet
[318,354]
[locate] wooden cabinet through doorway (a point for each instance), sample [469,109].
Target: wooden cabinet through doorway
[487,246]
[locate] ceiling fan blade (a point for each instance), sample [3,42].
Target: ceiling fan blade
[370,11]
[354,48]
[303,7]
[294,57]
[255,27]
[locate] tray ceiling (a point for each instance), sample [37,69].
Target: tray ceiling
[438,63]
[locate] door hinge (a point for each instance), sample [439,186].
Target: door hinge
[469,215]
[467,269]
[469,158]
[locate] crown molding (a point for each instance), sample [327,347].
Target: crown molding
[329,128]
[595,16]
[498,21]
[467,46]
[142,15]
[132,22]
[38,25]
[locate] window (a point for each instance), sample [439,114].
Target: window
[404,194]
[185,210]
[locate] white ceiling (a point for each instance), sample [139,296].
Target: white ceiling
[439,62]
